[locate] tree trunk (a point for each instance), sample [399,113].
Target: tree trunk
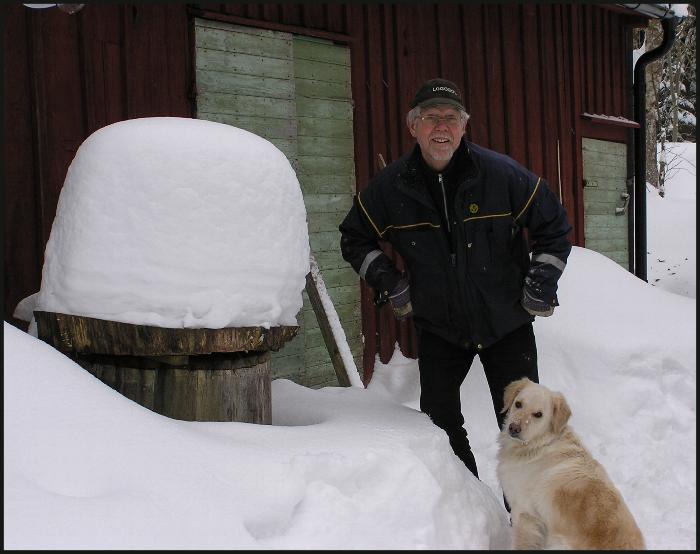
[662,153]
[653,79]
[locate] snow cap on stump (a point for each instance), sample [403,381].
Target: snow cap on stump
[178,222]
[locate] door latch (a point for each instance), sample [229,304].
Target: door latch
[622,210]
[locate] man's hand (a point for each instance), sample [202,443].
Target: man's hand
[400,300]
[534,305]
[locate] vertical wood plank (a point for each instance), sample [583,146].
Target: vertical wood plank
[407,77]
[177,402]
[59,101]
[147,389]
[494,78]
[102,75]
[474,45]
[234,8]
[451,58]
[291,14]
[563,93]
[427,51]
[549,105]
[314,16]
[396,136]
[378,144]
[23,241]
[395,119]
[335,18]
[513,69]
[588,105]
[271,12]
[131,383]
[576,212]
[459,21]
[617,58]
[606,84]
[359,57]
[598,61]
[626,47]
[179,64]
[569,117]
[532,90]
[253,11]
[156,53]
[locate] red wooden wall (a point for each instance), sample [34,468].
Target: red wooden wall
[65,77]
[528,72]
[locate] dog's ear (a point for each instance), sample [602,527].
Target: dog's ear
[560,412]
[511,391]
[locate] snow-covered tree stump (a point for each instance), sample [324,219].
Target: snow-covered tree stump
[188,374]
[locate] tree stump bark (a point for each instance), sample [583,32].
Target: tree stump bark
[188,374]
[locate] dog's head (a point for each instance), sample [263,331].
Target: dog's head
[533,410]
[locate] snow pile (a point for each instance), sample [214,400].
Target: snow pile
[671,224]
[339,468]
[178,222]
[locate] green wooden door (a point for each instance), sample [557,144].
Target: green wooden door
[294,91]
[605,197]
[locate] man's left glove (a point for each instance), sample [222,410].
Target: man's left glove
[400,299]
[534,305]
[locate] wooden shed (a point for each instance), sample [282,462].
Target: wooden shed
[329,84]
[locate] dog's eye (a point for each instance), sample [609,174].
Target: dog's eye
[537,414]
[518,404]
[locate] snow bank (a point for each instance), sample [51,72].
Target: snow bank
[178,223]
[671,224]
[339,468]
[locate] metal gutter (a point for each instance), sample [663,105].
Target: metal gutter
[657,11]
[668,25]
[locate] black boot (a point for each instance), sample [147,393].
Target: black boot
[460,445]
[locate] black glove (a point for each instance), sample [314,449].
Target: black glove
[400,299]
[533,304]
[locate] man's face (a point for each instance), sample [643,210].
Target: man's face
[438,131]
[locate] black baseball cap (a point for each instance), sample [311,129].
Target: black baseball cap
[436,92]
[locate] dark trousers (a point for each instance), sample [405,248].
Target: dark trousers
[443,367]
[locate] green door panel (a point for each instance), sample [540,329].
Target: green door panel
[606,219]
[295,92]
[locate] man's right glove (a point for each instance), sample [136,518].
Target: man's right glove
[400,299]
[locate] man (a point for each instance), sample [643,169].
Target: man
[456,212]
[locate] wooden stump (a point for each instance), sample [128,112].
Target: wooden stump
[189,374]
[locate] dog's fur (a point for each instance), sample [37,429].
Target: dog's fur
[560,496]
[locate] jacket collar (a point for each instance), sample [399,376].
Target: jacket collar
[416,174]
[457,171]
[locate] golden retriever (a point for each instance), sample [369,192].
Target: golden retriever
[560,496]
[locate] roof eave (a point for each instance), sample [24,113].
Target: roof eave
[657,11]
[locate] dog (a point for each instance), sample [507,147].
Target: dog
[560,496]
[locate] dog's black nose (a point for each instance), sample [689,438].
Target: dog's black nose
[514,429]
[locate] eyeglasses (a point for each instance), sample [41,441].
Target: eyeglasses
[435,120]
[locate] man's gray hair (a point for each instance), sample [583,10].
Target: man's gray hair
[415,114]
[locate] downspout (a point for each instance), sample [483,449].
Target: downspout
[629,150]
[668,24]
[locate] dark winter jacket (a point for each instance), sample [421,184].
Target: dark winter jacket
[466,282]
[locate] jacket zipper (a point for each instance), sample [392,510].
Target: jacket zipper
[453,256]
[444,202]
